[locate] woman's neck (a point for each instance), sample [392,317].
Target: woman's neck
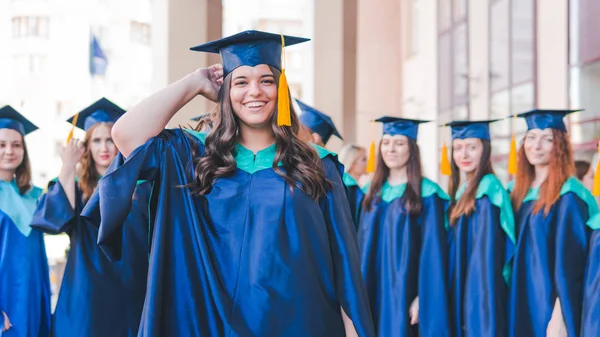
[541,174]
[397,176]
[101,170]
[7,175]
[256,139]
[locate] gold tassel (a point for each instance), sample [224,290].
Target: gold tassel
[70,136]
[371,160]
[512,157]
[283,93]
[445,162]
[596,188]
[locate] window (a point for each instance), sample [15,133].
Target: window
[30,26]
[141,33]
[512,72]
[453,60]
[584,64]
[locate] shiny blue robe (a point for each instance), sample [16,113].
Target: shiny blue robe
[24,275]
[250,258]
[549,261]
[590,322]
[355,196]
[403,257]
[97,297]
[481,250]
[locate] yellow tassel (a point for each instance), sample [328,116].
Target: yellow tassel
[512,157]
[445,162]
[283,93]
[371,160]
[70,136]
[596,188]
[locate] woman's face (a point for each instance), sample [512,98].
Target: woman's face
[101,146]
[359,167]
[588,179]
[12,150]
[538,146]
[253,95]
[467,154]
[395,151]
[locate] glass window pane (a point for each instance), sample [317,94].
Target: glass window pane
[460,60]
[522,41]
[444,14]
[499,39]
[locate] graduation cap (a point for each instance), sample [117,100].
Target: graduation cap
[100,111]
[199,117]
[251,48]
[318,122]
[471,129]
[544,119]
[12,119]
[400,126]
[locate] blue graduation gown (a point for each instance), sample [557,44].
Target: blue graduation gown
[355,196]
[549,261]
[394,246]
[24,276]
[250,258]
[97,297]
[481,250]
[590,322]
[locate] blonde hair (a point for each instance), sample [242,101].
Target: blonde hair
[349,154]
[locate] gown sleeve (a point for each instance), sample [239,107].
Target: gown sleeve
[590,322]
[571,252]
[434,318]
[350,288]
[485,286]
[54,214]
[110,204]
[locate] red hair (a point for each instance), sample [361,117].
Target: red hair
[562,167]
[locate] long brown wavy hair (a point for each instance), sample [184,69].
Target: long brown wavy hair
[23,171]
[562,166]
[466,204]
[87,173]
[412,196]
[206,123]
[302,167]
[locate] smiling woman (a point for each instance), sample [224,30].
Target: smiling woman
[252,233]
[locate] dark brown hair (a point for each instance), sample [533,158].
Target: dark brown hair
[466,204]
[561,167]
[23,172]
[88,175]
[302,166]
[206,122]
[582,167]
[412,195]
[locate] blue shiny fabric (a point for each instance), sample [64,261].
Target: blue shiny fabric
[12,119]
[7,123]
[479,291]
[97,297]
[403,257]
[251,258]
[470,129]
[101,111]
[24,281]
[318,122]
[544,119]
[549,262]
[590,322]
[355,197]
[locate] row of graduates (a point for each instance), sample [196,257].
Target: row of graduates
[251,232]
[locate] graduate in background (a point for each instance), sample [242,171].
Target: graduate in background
[403,239]
[24,276]
[317,124]
[590,322]
[483,238]
[253,235]
[354,159]
[97,297]
[551,210]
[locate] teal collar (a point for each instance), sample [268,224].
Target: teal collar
[251,162]
[349,181]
